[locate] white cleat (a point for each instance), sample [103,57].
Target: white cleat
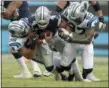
[87,80]
[23,75]
[92,77]
[46,73]
[37,74]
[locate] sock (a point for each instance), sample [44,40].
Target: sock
[35,66]
[22,64]
[86,72]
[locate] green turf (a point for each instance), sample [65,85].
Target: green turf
[10,68]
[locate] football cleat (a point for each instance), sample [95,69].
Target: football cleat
[87,80]
[71,77]
[46,73]
[63,77]
[37,74]
[23,75]
[92,77]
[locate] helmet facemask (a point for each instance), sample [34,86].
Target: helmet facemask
[42,24]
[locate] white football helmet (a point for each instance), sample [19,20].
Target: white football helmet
[74,11]
[18,28]
[42,16]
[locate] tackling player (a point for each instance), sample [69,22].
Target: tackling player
[15,10]
[82,24]
[61,5]
[33,29]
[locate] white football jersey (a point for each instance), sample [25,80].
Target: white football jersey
[89,22]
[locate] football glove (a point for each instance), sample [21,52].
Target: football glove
[64,34]
[102,25]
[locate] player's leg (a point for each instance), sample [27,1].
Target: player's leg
[36,69]
[88,62]
[46,54]
[47,57]
[15,45]
[29,54]
[69,59]
[45,73]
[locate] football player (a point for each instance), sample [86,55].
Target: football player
[61,5]
[35,28]
[14,10]
[82,24]
[54,22]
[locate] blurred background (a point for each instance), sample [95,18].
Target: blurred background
[100,44]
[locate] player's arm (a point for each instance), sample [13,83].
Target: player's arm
[87,40]
[61,5]
[11,9]
[64,34]
[99,12]
[97,8]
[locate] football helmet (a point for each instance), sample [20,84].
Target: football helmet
[42,17]
[75,11]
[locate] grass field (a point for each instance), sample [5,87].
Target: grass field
[10,68]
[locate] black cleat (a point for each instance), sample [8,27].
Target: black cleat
[35,75]
[70,77]
[63,77]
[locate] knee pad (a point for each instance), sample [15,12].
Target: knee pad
[50,68]
[60,69]
[86,72]
[14,46]
[67,68]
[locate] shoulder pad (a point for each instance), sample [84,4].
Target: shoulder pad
[89,21]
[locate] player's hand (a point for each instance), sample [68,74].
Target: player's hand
[102,25]
[39,41]
[64,34]
[45,36]
[48,36]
